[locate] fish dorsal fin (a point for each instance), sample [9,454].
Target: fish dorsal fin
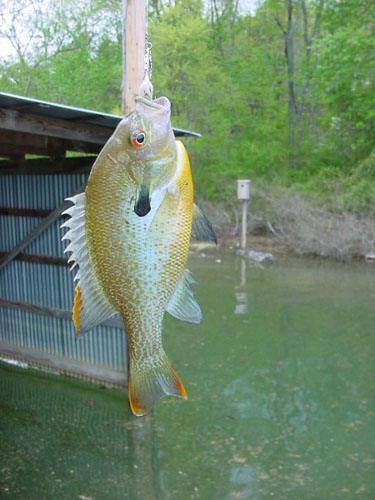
[202,229]
[182,304]
[91,307]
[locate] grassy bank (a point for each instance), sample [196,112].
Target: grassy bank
[326,217]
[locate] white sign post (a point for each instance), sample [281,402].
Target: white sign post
[243,194]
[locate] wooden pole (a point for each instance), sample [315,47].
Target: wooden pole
[133,50]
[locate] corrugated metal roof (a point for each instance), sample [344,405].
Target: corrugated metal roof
[62,112]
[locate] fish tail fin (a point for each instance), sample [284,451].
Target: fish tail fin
[150,382]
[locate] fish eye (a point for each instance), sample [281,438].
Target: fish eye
[138,138]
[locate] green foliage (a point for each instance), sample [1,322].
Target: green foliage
[73,54]
[229,76]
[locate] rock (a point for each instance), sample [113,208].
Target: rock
[202,246]
[259,257]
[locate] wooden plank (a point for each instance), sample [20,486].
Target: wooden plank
[22,139]
[86,118]
[133,51]
[27,212]
[12,142]
[54,215]
[10,151]
[24,212]
[43,166]
[49,311]
[39,259]
[37,309]
[53,127]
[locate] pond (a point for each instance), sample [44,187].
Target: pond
[280,378]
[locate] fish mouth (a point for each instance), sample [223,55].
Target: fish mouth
[142,204]
[157,110]
[161,105]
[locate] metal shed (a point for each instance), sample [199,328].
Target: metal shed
[37,172]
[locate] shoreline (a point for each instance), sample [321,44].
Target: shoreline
[266,244]
[286,222]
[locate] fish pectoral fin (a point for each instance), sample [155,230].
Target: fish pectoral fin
[182,305]
[152,381]
[91,306]
[202,229]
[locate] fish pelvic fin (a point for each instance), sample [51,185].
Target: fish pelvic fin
[148,382]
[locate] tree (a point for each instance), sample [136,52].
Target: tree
[284,92]
[299,33]
[345,79]
[66,52]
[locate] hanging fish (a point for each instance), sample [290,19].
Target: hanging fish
[130,233]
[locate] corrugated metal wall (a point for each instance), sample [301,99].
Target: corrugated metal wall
[46,284]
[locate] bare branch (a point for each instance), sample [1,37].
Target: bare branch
[280,25]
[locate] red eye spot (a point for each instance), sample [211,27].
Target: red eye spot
[138,138]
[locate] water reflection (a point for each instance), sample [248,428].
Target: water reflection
[281,400]
[241,296]
[77,438]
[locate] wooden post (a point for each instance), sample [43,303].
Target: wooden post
[133,50]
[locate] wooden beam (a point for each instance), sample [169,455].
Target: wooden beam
[39,259]
[54,215]
[9,151]
[27,212]
[133,50]
[12,142]
[49,311]
[24,212]
[74,165]
[34,308]
[21,140]
[86,118]
[53,127]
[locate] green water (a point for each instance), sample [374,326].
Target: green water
[280,378]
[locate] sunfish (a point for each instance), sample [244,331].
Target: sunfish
[130,233]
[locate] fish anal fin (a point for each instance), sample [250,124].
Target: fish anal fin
[180,386]
[148,385]
[134,404]
[182,305]
[202,229]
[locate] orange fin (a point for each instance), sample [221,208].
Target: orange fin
[77,308]
[147,386]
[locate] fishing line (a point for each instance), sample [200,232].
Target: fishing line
[146,88]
